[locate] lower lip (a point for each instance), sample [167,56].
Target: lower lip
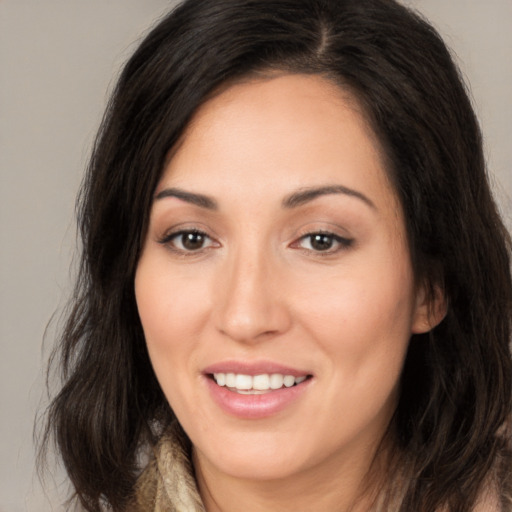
[255,406]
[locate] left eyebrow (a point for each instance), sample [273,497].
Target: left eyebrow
[305,195]
[189,197]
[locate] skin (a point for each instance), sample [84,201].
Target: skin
[258,290]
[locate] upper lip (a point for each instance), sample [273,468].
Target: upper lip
[254,368]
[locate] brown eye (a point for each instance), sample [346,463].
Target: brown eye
[188,241]
[324,242]
[192,241]
[321,242]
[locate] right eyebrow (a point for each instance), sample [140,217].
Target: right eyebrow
[308,194]
[189,197]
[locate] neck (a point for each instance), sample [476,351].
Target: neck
[329,488]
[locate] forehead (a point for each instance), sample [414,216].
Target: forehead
[274,134]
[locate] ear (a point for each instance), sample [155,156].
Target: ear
[430,309]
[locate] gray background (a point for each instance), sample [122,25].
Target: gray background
[58,59]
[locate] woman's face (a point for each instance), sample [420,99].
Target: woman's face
[277,256]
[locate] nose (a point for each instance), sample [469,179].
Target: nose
[251,305]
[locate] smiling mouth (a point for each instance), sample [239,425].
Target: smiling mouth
[256,384]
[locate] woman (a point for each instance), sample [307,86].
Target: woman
[295,289]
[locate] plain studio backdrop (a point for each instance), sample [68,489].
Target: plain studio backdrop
[58,61]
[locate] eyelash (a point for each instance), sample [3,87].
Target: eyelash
[168,240]
[342,243]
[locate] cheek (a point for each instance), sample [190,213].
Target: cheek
[356,305]
[362,316]
[362,323]
[172,311]
[169,304]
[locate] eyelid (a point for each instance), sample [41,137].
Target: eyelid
[174,234]
[166,231]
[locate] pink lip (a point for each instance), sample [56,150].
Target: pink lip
[254,368]
[254,406]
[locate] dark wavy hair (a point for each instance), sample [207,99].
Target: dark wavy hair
[452,424]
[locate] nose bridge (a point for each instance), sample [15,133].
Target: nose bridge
[248,305]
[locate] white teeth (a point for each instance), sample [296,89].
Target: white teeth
[260,382]
[276,381]
[243,381]
[289,381]
[248,384]
[230,380]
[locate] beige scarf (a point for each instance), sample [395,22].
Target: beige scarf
[167,484]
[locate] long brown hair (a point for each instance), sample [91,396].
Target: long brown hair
[452,423]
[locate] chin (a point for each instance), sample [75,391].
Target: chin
[255,457]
